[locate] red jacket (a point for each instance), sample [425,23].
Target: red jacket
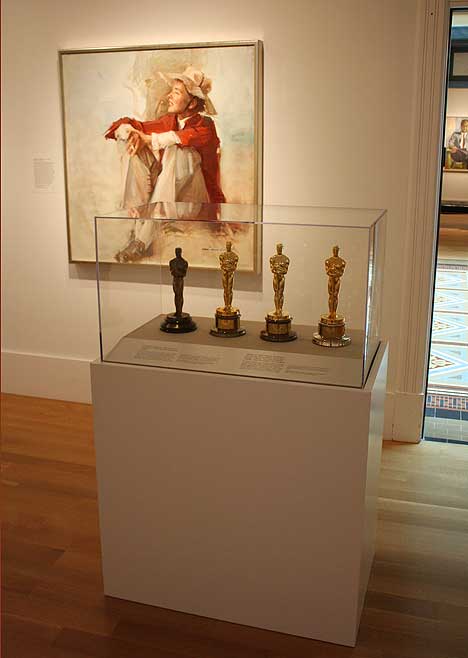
[199,132]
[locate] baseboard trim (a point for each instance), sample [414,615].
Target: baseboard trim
[68,378]
[407,417]
[388,416]
[46,376]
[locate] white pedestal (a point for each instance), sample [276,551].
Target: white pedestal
[247,500]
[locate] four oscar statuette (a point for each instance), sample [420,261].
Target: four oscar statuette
[331,327]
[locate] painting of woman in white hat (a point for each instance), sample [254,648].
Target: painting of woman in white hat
[171,133]
[173,158]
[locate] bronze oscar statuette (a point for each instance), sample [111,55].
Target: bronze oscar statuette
[331,327]
[278,324]
[227,317]
[178,322]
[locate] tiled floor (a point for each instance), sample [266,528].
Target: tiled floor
[448,368]
[446,416]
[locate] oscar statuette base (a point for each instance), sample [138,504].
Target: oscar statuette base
[227,323]
[278,329]
[178,324]
[331,332]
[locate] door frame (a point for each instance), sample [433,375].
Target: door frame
[423,219]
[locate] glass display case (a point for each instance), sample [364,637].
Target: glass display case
[279,292]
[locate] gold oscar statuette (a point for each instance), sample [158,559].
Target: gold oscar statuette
[331,327]
[227,317]
[278,324]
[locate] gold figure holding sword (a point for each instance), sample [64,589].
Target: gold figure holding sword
[278,324]
[334,267]
[279,265]
[227,317]
[228,261]
[331,327]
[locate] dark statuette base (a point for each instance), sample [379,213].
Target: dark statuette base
[178,324]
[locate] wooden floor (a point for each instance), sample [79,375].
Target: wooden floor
[53,606]
[453,245]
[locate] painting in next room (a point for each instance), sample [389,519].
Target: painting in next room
[456,144]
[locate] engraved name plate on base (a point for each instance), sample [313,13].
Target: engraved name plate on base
[278,330]
[227,323]
[331,332]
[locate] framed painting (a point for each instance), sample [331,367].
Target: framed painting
[458,63]
[456,144]
[152,129]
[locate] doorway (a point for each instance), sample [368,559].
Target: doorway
[446,412]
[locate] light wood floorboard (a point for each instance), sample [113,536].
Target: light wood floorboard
[53,606]
[453,244]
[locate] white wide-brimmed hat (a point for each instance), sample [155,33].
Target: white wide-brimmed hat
[196,84]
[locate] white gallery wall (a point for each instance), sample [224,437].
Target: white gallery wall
[340,84]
